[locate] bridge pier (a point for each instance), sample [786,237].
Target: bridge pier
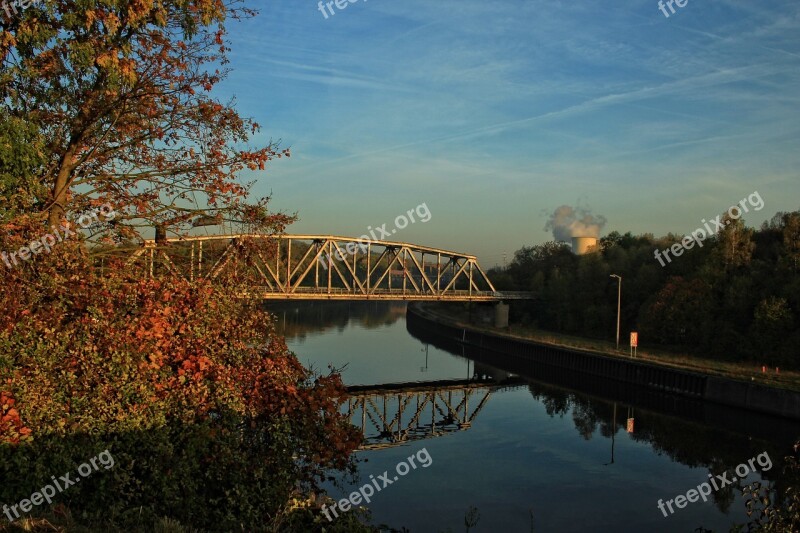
[501,315]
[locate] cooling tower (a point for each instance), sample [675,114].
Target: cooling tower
[583,245]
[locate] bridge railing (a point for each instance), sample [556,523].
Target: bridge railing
[356,290]
[324,266]
[325,293]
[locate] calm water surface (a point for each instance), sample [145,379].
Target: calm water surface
[545,451]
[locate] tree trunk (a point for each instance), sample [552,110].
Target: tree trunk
[58,200]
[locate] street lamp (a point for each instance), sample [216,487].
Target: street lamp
[613,434]
[619,302]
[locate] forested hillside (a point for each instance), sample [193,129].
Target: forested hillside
[737,297]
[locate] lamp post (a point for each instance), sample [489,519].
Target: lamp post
[619,303]
[613,434]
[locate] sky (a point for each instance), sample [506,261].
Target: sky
[494,114]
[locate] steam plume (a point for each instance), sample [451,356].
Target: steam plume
[567,222]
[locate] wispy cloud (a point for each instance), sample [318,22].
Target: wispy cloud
[544,95]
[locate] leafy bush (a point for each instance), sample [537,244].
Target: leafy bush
[211,420]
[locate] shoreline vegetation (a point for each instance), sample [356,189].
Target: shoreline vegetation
[214,425]
[728,309]
[459,316]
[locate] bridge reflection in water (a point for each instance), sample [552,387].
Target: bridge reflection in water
[397,413]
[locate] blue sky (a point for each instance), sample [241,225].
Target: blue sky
[495,113]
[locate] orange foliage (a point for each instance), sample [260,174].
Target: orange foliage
[12,429]
[129,85]
[119,352]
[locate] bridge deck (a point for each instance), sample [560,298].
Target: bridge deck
[324,267]
[312,293]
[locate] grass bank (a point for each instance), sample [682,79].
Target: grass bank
[777,378]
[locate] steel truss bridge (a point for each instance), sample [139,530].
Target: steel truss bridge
[323,267]
[395,414]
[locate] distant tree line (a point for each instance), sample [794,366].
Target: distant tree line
[735,298]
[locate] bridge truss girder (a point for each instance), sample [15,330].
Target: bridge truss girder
[323,267]
[393,418]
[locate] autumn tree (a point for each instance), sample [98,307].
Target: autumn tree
[120,93]
[791,240]
[214,422]
[679,313]
[734,244]
[211,420]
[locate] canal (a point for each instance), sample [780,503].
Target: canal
[529,449]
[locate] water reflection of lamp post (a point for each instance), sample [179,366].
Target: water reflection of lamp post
[619,302]
[425,368]
[613,434]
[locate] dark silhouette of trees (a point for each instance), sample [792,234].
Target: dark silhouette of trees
[736,297]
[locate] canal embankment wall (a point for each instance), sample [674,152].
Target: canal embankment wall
[725,391]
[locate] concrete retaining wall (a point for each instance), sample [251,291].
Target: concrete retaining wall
[724,391]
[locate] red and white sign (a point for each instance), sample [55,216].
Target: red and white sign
[634,339]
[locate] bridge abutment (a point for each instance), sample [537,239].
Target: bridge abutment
[501,315]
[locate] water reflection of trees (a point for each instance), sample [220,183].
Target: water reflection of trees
[688,430]
[692,444]
[299,320]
